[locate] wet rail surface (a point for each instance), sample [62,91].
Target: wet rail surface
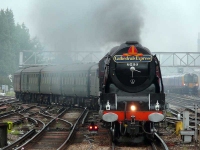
[22,126]
[182,100]
[28,127]
[179,103]
[160,142]
[55,132]
[11,117]
[155,143]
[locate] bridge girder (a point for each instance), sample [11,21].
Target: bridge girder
[169,61]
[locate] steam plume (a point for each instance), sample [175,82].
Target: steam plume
[69,25]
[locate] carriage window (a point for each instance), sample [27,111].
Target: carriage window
[32,79]
[45,79]
[190,78]
[29,78]
[195,79]
[48,79]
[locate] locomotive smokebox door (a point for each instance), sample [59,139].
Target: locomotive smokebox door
[109,101]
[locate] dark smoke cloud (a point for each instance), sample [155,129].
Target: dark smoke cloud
[84,24]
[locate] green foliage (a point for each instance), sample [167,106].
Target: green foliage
[4,80]
[13,39]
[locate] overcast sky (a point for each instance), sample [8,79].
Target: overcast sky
[166,26]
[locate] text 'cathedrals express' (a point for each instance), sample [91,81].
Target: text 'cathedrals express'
[122,59]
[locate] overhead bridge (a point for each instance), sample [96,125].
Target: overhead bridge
[179,59]
[171,62]
[178,62]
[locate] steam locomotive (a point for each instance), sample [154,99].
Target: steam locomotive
[187,83]
[132,94]
[125,86]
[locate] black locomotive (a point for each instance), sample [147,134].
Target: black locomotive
[132,94]
[126,86]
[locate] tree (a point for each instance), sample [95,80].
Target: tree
[13,39]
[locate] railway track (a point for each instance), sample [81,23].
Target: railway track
[81,137]
[153,144]
[56,133]
[84,139]
[183,100]
[41,117]
[32,110]
[7,100]
[11,117]
[184,103]
[27,136]
[159,144]
[23,126]
[178,104]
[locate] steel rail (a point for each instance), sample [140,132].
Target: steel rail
[39,133]
[161,140]
[23,138]
[63,146]
[42,130]
[83,120]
